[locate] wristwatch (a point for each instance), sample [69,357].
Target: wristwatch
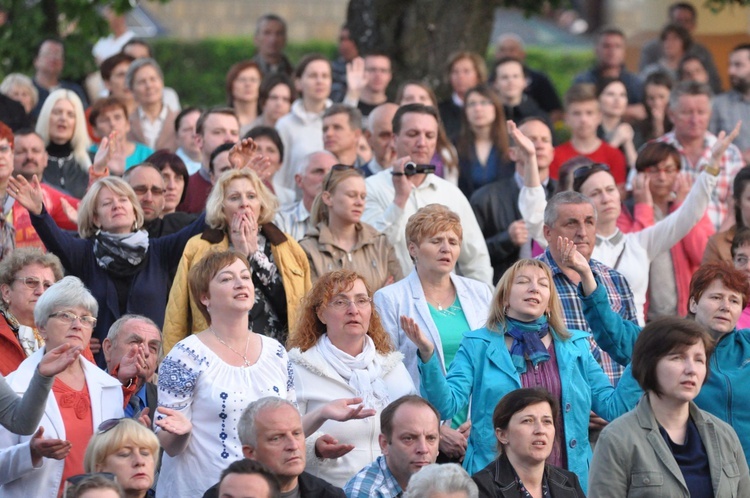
[712,169]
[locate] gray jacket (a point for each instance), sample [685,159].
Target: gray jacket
[632,459]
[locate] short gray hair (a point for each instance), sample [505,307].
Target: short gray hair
[564,198]
[114,330]
[137,65]
[689,88]
[246,430]
[67,293]
[436,478]
[353,114]
[303,165]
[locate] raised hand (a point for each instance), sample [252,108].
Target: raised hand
[342,410]
[133,364]
[70,212]
[722,143]
[111,154]
[47,448]
[681,187]
[415,335]
[262,167]
[327,446]
[174,422]
[525,146]
[642,189]
[242,153]
[58,359]
[28,194]
[243,232]
[356,78]
[571,258]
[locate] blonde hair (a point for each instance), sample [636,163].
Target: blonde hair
[309,328]
[87,208]
[319,210]
[80,141]
[126,432]
[430,220]
[496,320]
[215,203]
[17,79]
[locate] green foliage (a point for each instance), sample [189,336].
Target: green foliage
[196,70]
[561,65]
[718,5]
[76,21]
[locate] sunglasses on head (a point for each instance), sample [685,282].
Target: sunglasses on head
[589,169]
[337,167]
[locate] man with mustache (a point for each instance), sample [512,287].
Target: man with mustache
[734,105]
[29,159]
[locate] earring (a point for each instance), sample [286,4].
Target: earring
[505,309]
[547,314]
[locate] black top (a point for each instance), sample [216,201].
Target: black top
[13,114]
[692,459]
[309,487]
[498,480]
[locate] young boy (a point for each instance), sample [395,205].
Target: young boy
[509,83]
[583,116]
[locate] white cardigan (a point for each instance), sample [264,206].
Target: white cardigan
[635,250]
[316,384]
[18,477]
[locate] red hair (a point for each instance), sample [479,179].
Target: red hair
[733,279]
[6,133]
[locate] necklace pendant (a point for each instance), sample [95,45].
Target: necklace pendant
[440,308]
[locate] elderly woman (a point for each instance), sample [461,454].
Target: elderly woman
[82,397]
[242,89]
[24,276]
[442,303]
[125,270]
[239,212]
[62,126]
[175,175]
[667,446]
[439,481]
[524,422]
[524,344]
[340,239]
[152,122]
[718,294]
[128,450]
[340,350]
[20,88]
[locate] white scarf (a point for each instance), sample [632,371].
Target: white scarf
[362,372]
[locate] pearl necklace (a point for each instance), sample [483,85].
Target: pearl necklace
[247,344]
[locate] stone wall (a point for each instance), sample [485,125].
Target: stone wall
[196,19]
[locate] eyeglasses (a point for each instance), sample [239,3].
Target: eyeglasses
[87,321]
[588,169]
[143,190]
[34,283]
[342,304]
[337,167]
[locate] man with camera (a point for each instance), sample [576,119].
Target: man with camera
[394,194]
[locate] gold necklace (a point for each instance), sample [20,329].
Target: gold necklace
[247,344]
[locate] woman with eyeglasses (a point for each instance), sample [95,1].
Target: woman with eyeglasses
[340,240]
[483,142]
[24,276]
[82,397]
[340,350]
[126,271]
[129,451]
[629,253]
[239,214]
[442,303]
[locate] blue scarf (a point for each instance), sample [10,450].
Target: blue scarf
[527,342]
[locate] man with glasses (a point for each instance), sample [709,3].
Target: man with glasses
[148,185]
[29,157]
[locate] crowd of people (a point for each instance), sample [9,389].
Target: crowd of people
[317,291]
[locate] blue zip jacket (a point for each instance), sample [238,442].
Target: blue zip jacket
[483,371]
[726,392]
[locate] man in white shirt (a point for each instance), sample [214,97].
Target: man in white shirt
[392,196]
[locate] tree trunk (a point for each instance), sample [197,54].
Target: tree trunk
[420,35]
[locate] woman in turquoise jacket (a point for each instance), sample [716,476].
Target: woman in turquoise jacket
[525,344]
[718,294]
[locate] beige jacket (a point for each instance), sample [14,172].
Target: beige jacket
[184,318]
[372,257]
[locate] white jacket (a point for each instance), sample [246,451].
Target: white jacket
[18,477]
[317,383]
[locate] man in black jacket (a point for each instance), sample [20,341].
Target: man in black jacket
[496,204]
[270,430]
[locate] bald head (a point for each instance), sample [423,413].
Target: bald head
[510,45]
[379,133]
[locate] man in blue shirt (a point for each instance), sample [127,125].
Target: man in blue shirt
[409,437]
